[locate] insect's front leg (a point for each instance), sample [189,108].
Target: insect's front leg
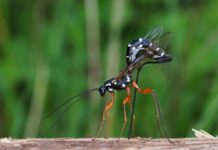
[106,112]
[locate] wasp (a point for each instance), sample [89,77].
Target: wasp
[140,52]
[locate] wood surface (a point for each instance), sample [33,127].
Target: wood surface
[109,143]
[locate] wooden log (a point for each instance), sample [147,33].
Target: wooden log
[109,143]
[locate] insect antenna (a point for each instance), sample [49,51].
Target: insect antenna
[73,99]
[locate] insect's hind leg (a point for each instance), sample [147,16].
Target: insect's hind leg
[108,106]
[142,91]
[160,119]
[127,100]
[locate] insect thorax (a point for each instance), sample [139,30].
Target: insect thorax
[115,84]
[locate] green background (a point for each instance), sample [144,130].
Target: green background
[51,50]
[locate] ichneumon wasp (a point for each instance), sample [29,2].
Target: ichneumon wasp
[139,53]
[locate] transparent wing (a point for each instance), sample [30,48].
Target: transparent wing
[163,41]
[136,64]
[159,37]
[154,34]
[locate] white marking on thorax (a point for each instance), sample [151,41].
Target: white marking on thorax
[128,79]
[108,84]
[123,85]
[110,89]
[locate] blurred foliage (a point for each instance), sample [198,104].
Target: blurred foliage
[51,50]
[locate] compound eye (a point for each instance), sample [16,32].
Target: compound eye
[102,90]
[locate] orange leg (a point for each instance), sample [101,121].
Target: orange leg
[142,91]
[127,100]
[106,112]
[157,108]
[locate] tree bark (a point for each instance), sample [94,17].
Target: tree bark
[110,143]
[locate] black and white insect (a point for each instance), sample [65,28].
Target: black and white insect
[150,46]
[139,53]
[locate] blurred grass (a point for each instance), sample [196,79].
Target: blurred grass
[55,35]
